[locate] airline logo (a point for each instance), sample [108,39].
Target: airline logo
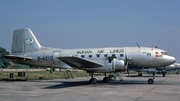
[29,41]
[157,54]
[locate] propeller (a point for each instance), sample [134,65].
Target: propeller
[110,58]
[126,60]
[126,64]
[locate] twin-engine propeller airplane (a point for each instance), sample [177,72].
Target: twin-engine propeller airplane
[162,70]
[27,50]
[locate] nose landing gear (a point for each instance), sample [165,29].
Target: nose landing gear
[150,81]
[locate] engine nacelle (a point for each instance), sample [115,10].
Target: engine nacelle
[118,65]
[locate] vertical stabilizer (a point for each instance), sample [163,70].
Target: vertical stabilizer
[24,41]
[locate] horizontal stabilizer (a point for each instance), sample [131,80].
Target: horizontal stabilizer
[80,63]
[15,57]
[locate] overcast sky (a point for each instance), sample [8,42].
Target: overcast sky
[94,23]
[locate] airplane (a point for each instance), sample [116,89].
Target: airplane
[174,66]
[27,50]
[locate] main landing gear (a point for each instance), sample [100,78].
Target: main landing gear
[94,80]
[106,79]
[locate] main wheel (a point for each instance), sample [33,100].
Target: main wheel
[150,81]
[163,74]
[106,79]
[93,81]
[140,74]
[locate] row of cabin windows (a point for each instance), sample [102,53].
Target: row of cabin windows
[105,55]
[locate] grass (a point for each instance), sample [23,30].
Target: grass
[36,75]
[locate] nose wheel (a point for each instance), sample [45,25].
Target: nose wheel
[150,81]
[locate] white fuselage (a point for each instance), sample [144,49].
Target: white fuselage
[140,57]
[27,50]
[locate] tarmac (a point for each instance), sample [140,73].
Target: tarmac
[78,89]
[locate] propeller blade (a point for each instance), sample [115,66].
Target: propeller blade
[126,64]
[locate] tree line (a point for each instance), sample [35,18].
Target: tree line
[7,63]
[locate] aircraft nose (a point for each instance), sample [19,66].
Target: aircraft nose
[171,59]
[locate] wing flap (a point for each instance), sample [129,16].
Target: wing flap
[77,62]
[15,57]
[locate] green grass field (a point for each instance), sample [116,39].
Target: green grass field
[36,75]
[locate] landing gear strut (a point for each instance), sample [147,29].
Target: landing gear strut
[164,72]
[106,79]
[151,80]
[92,80]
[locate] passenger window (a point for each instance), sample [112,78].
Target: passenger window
[121,55]
[105,55]
[98,55]
[82,56]
[90,56]
[114,55]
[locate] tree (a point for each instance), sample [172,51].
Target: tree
[4,63]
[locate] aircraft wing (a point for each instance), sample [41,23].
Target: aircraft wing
[80,63]
[15,57]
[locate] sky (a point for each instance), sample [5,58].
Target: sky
[94,23]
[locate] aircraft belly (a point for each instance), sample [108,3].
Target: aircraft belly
[39,63]
[100,70]
[106,68]
[32,63]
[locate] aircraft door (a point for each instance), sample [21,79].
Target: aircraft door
[155,55]
[56,54]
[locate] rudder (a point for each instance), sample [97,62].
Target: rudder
[24,41]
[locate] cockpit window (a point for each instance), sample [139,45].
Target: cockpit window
[164,53]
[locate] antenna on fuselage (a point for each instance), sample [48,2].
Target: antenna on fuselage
[138,45]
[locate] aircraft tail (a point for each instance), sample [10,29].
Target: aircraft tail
[24,41]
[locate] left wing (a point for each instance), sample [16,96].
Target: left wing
[15,57]
[80,63]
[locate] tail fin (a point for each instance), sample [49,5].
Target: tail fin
[24,41]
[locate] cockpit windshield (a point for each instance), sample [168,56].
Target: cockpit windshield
[164,53]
